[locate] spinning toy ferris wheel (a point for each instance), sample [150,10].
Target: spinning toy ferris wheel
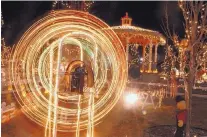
[75,71]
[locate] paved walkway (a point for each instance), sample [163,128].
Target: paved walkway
[120,122]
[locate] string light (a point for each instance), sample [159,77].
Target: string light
[73,5]
[183,58]
[2,20]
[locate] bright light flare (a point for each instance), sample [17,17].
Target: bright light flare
[131,98]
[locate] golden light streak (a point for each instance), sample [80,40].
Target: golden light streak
[48,123]
[90,114]
[78,117]
[85,38]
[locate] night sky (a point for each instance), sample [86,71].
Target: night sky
[18,16]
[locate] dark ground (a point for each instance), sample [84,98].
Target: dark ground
[120,122]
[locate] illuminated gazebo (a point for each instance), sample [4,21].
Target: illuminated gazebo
[148,40]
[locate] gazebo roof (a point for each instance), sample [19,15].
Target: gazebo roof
[137,34]
[132,28]
[138,31]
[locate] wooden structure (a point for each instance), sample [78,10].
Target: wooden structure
[148,40]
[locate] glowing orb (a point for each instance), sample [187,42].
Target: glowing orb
[144,112]
[46,48]
[131,98]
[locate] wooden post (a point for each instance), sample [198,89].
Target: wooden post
[155,59]
[150,58]
[143,57]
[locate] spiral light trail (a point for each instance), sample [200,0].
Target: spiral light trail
[49,45]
